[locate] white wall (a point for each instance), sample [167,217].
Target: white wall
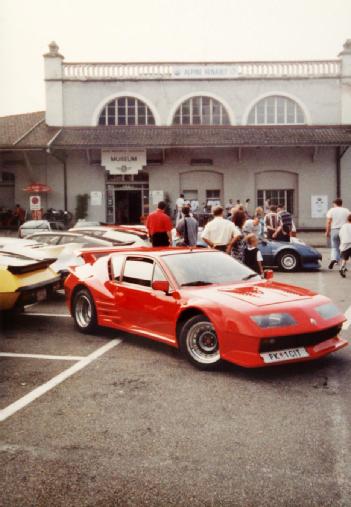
[82,101]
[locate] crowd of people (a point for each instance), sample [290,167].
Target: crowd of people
[12,217]
[232,231]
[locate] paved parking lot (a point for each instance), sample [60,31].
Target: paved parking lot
[119,420]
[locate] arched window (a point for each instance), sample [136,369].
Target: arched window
[126,111]
[276,110]
[201,111]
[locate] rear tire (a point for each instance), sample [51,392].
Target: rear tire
[288,261]
[84,311]
[199,343]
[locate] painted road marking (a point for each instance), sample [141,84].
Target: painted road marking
[41,356]
[61,377]
[347,314]
[34,314]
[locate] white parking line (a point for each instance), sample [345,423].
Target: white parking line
[44,388]
[347,314]
[34,314]
[41,356]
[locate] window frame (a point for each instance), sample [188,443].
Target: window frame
[111,113]
[261,112]
[198,103]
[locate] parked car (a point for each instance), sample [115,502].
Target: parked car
[204,302]
[33,226]
[122,234]
[25,280]
[292,256]
[59,246]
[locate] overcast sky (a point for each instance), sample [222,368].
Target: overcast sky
[159,30]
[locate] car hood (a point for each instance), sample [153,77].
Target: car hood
[265,293]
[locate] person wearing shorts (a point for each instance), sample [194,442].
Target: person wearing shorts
[345,245]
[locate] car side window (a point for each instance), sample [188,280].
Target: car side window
[158,274]
[138,270]
[50,239]
[117,264]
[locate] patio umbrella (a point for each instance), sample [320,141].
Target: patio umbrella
[37,188]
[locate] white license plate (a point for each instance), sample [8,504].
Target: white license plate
[284,355]
[41,294]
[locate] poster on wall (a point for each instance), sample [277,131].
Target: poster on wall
[95,198]
[157,196]
[319,206]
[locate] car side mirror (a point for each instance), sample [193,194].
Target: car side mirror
[268,274]
[162,285]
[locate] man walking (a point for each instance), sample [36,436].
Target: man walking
[345,245]
[159,226]
[187,228]
[219,233]
[336,217]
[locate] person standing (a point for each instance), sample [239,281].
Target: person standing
[159,226]
[252,255]
[237,245]
[187,228]
[179,206]
[271,221]
[284,229]
[336,218]
[345,245]
[219,232]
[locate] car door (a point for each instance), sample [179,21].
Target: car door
[142,309]
[266,249]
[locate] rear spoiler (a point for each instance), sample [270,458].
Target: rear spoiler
[34,266]
[90,255]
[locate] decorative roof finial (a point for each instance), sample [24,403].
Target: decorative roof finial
[53,47]
[347,48]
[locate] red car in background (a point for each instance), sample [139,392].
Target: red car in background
[203,302]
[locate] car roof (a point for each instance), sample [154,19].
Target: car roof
[163,252]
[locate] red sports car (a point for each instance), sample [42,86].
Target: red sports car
[204,302]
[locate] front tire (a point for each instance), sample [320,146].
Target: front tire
[199,343]
[84,311]
[288,261]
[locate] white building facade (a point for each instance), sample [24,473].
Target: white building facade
[128,134]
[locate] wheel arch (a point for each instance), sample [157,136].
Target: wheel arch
[185,315]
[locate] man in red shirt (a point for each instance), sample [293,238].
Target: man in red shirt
[159,226]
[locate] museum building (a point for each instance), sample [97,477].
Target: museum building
[129,134]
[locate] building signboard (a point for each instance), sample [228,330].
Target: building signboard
[319,206]
[95,198]
[199,71]
[123,161]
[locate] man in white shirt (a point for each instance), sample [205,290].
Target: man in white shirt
[179,206]
[345,245]
[219,232]
[336,218]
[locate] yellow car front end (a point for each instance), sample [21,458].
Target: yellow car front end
[24,280]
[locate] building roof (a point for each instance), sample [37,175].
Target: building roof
[29,131]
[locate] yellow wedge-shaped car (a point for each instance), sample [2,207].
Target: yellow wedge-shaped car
[24,280]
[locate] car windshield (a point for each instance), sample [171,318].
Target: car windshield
[206,268]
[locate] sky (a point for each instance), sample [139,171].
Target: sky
[159,30]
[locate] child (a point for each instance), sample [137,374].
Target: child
[345,245]
[252,256]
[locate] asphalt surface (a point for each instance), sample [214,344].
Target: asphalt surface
[140,426]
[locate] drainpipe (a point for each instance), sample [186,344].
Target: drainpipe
[63,160]
[338,156]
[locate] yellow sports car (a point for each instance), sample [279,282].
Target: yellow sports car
[24,280]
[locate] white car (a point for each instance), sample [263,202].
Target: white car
[33,226]
[127,235]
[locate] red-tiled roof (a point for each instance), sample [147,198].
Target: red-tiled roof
[13,127]
[203,136]
[30,131]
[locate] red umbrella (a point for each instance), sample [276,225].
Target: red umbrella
[37,188]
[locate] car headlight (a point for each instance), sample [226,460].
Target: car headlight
[328,311]
[273,320]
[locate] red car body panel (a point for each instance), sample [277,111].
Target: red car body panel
[156,315]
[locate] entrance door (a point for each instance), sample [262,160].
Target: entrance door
[128,206]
